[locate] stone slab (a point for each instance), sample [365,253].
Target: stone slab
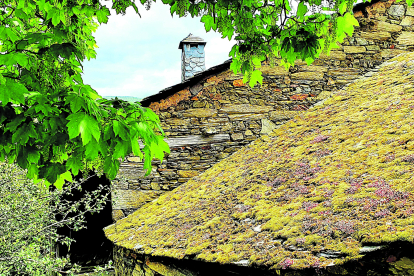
[195,89]
[361,41]
[200,112]
[387,27]
[132,199]
[389,53]
[410,11]
[280,115]
[196,140]
[354,49]
[135,171]
[237,136]
[375,35]
[308,76]
[373,48]
[244,108]
[177,121]
[396,10]
[334,55]
[342,71]
[277,70]
[406,38]
[267,126]
[313,68]
[407,21]
[187,173]
[246,116]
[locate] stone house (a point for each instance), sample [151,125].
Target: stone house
[326,187]
[331,192]
[212,114]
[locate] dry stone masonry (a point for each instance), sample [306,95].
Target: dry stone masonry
[213,114]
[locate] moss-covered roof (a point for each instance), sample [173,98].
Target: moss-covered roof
[312,193]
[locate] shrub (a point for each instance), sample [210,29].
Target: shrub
[28,222]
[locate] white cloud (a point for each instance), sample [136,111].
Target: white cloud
[142,82]
[140,56]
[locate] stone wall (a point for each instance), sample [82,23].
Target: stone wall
[396,259]
[213,118]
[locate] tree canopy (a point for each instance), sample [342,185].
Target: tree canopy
[54,125]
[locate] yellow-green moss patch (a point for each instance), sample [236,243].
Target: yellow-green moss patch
[335,177]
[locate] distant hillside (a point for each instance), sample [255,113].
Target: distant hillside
[125,98]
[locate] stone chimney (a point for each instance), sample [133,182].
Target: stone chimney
[192,56]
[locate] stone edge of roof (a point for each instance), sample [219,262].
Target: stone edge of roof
[182,85]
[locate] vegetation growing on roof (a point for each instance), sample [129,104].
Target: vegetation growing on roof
[310,194]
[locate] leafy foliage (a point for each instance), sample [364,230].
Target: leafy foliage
[265,30]
[28,227]
[52,124]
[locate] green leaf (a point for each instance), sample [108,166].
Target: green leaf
[24,133]
[103,14]
[173,8]
[11,35]
[22,158]
[76,103]
[21,14]
[74,163]
[147,160]
[342,7]
[15,123]
[208,21]
[76,10]
[121,149]
[111,167]
[61,180]
[255,78]
[13,91]
[120,130]
[84,125]
[234,50]
[56,17]
[235,66]
[158,147]
[92,150]
[302,10]
[257,62]
[88,91]
[33,156]
[108,133]
[136,148]
[52,171]
[21,59]
[309,60]
[32,171]
[346,24]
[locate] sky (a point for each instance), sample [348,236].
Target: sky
[139,56]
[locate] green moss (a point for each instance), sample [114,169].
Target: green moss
[404,266]
[332,178]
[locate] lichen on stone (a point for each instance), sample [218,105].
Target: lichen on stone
[311,193]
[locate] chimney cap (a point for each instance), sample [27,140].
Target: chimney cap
[191,39]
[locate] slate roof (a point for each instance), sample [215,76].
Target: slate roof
[312,193]
[191,39]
